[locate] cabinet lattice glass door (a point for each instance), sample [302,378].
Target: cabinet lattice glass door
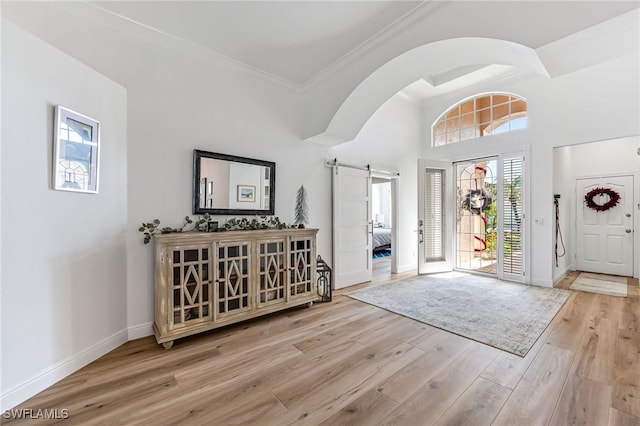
[301,278]
[272,276]
[233,278]
[191,283]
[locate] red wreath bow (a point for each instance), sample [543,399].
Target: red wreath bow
[590,196]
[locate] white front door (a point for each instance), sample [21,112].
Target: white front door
[352,226]
[605,238]
[435,219]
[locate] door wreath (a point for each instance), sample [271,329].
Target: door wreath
[476,201]
[590,199]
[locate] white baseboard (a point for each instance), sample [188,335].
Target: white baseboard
[59,371]
[406,268]
[559,276]
[141,330]
[541,282]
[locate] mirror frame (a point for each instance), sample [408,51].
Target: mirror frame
[199,154]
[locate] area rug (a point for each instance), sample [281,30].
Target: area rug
[599,283]
[382,253]
[504,315]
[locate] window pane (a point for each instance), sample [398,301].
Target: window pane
[453,124]
[518,106]
[453,137]
[434,217]
[480,116]
[467,133]
[499,99]
[454,112]
[500,112]
[467,120]
[467,107]
[440,139]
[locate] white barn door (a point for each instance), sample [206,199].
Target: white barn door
[352,226]
[605,238]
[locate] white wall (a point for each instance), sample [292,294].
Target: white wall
[515,21]
[245,175]
[180,99]
[609,157]
[563,186]
[595,103]
[391,141]
[230,110]
[63,254]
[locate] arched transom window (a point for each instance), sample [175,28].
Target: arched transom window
[481,115]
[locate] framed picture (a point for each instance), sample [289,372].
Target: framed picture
[246,193]
[76,152]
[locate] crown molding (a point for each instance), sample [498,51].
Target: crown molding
[412,17]
[166,40]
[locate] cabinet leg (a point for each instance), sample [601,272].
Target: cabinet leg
[167,345]
[310,304]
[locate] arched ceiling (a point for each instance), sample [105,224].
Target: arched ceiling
[435,64]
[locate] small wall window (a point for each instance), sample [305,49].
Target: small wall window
[478,116]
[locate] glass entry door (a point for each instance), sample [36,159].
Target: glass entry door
[489,216]
[477,216]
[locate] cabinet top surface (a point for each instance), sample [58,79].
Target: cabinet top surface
[227,235]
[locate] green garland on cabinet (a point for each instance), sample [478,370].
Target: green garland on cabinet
[149,229]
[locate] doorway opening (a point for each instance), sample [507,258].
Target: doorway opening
[483,206]
[598,240]
[382,216]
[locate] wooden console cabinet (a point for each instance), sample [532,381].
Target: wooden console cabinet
[205,280]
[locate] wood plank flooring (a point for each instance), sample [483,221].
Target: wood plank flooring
[351,363]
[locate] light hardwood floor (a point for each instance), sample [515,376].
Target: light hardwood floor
[351,363]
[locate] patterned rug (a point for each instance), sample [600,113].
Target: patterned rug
[598,283]
[381,253]
[504,315]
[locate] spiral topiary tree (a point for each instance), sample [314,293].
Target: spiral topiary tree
[302,208]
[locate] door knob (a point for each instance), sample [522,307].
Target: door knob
[628,231]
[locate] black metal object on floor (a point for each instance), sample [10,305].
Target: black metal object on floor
[324,281]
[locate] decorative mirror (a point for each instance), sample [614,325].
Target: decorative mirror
[230,185]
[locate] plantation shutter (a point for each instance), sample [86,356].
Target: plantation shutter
[434,215]
[512,220]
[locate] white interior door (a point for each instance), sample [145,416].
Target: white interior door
[435,216]
[605,238]
[352,226]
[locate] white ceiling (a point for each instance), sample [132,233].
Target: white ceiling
[294,40]
[298,41]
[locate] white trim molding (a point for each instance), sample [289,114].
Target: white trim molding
[139,331]
[60,370]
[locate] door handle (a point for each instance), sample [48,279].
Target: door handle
[628,231]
